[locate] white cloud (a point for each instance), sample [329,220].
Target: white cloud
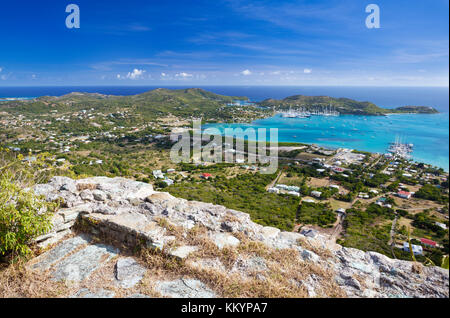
[307,71]
[246,72]
[136,74]
[1,69]
[183,75]
[118,76]
[163,74]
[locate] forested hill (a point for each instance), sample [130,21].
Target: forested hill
[157,102]
[343,105]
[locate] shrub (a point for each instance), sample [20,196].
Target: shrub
[23,216]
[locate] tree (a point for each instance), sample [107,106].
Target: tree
[23,216]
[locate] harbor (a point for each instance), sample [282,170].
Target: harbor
[302,112]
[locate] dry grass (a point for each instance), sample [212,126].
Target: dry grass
[17,281]
[86,186]
[282,278]
[324,253]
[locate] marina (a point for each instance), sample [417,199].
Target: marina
[302,112]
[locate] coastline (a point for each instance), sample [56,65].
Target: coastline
[359,139]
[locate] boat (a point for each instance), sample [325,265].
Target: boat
[400,149]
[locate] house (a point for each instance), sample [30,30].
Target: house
[206,175]
[341,211]
[168,181]
[296,194]
[428,242]
[309,200]
[404,194]
[273,190]
[316,194]
[417,249]
[363,195]
[335,186]
[157,174]
[373,191]
[170,170]
[441,225]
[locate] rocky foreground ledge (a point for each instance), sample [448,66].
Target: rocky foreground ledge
[194,249]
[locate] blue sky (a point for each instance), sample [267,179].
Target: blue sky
[234,42]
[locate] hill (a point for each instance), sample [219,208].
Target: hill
[416,110]
[343,105]
[161,101]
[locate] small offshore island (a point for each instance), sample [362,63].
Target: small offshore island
[359,199]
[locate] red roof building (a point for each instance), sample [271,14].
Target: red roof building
[404,194]
[206,175]
[428,242]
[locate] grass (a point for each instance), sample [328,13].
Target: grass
[17,281]
[283,277]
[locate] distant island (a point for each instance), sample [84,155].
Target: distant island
[342,105]
[196,103]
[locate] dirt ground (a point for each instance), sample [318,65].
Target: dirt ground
[315,182]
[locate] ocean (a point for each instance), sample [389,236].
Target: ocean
[428,133]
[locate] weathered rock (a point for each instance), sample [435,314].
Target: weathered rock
[49,258]
[128,272]
[87,195]
[86,293]
[184,288]
[81,264]
[224,240]
[308,255]
[55,238]
[99,195]
[183,251]
[270,232]
[245,266]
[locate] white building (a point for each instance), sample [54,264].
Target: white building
[158,174]
[441,225]
[316,194]
[273,190]
[417,249]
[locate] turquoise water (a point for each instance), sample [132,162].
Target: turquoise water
[428,132]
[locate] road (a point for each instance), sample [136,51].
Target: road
[272,184]
[392,233]
[338,229]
